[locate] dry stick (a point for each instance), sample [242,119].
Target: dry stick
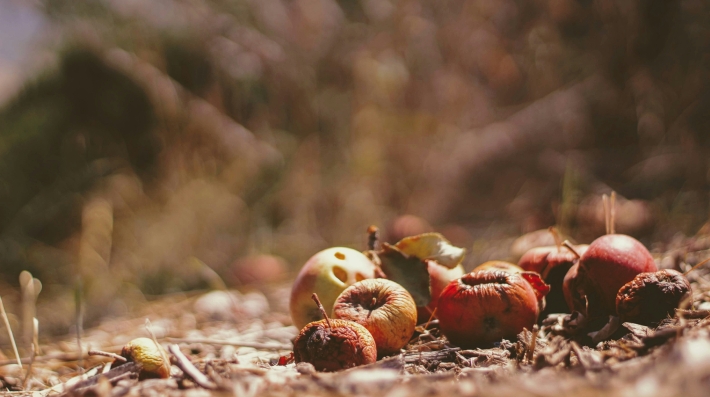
[373,237]
[556,237]
[189,369]
[612,213]
[570,247]
[322,310]
[155,340]
[255,345]
[697,266]
[605,201]
[9,332]
[107,354]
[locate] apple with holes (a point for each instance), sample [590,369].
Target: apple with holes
[327,274]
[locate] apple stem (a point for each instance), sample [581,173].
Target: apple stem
[322,310]
[697,266]
[373,237]
[605,201]
[612,212]
[569,246]
[556,237]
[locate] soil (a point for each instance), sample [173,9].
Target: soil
[241,343]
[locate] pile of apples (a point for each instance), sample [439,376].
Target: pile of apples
[374,316]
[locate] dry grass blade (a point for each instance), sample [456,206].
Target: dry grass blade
[9,332]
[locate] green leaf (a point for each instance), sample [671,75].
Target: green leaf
[432,246]
[408,271]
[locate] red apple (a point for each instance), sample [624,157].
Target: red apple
[611,261]
[483,307]
[552,263]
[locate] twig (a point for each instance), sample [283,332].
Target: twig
[107,354]
[155,340]
[255,345]
[697,266]
[9,332]
[189,369]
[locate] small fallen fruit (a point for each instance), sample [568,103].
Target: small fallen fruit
[333,344]
[552,263]
[611,261]
[651,297]
[382,306]
[483,307]
[326,273]
[150,355]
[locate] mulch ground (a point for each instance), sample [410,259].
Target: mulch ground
[240,341]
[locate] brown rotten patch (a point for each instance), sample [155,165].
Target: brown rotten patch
[332,344]
[651,297]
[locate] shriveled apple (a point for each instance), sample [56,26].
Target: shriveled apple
[486,306]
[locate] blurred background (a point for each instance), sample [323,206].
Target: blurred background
[152,147]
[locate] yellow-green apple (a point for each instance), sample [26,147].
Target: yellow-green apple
[326,273]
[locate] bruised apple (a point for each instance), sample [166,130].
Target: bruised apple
[486,306]
[326,273]
[382,306]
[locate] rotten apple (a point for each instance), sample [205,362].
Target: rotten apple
[651,297]
[486,306]
[382,306]
[334,344]
[326,273]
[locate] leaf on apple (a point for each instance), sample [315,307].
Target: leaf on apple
[408,271]
[432,246]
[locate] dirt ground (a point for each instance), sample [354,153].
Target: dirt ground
[240,341]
